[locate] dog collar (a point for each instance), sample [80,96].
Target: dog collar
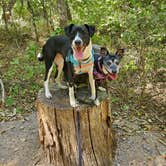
[70,58]
[86,63]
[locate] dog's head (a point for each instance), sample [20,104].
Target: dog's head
[111,62]
[80,37]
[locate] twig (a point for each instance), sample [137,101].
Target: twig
[3,91]
[162,142]
[157,149]
[17,43]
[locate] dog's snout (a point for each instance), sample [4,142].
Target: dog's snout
[114,71]
[77,42]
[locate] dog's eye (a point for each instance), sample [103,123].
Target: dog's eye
[108,63]
[72,34]
[117,62]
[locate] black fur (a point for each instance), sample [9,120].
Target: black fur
[63,45]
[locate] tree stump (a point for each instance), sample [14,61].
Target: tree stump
[74,136]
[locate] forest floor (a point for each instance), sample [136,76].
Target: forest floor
[140,137]
[19,145]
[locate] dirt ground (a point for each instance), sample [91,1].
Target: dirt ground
[19,145]
[19,142]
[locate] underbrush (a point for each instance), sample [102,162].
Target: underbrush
[22,75]
[139,95]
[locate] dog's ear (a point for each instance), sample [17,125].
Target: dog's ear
[68,29]
[120,52]
[104,51]
[91,29]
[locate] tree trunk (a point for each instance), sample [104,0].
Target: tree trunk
[5,15]
[31,10]
[3,92]
[44,6]
[7,8]
[63,12]
[74,136]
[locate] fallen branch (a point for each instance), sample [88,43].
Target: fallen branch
[162,142]
[3,91]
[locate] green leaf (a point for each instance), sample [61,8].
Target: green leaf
[9,101]
[15,61]
[125,107]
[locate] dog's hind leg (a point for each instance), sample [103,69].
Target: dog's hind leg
[46,79]
[59,61]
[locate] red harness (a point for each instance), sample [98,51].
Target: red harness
[99,75]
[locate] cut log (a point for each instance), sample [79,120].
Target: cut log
[75,136]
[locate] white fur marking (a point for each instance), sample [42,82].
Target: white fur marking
[39,55]
[47,91]
[77,37]
[102,89]
[97,102]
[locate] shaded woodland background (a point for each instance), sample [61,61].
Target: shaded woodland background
[138,26]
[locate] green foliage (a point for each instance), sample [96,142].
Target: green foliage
[19,110]
[15,61]
[9,101]
[125,107]
[115,100]
[31,49]
[57,31]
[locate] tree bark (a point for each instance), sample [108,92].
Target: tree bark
[7,11]
[63,12]
[3,92]
[69,135]
[30,8]
[44,6]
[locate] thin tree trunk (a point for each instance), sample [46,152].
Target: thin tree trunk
[10,6]
[7,11]
[63,12]
[4,16]
[30,8]
[51,19]
[3,91]
[45,15]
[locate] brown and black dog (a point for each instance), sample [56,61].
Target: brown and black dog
[106,65]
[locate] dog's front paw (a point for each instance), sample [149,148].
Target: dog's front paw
[97,102]
[102,89]
[62,86]
[92,98]
[74,103]
[48,95]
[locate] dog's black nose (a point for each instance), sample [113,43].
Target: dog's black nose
[77,42]
[114,71]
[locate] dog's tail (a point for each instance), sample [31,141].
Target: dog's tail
[40,57]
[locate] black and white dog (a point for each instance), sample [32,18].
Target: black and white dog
[71,53]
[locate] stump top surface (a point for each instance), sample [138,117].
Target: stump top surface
[60,98]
